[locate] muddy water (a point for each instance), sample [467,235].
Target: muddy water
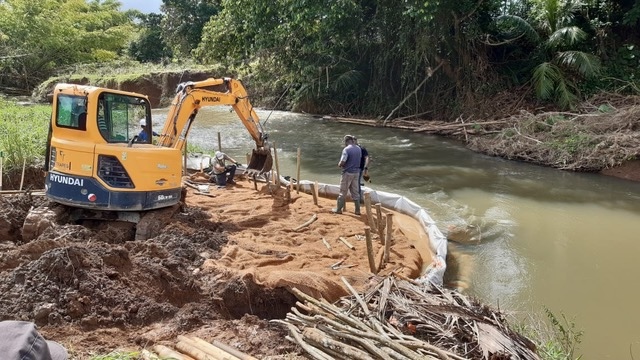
[527,237]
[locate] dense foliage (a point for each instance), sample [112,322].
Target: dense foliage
[38,37]
[435,59]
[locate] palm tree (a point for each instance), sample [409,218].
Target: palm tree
[561,64]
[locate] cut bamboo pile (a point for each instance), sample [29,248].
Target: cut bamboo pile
[194,348]
[401,319]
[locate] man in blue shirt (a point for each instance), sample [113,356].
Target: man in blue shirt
[142,136]
[350,165]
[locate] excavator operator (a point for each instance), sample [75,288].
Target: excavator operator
[142,136]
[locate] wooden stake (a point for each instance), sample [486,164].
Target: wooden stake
[298,172]
[387,243]
[326,243]
[380,223]
[367,204]
[372,262]
[276,177]
[314,192]
[219,142]
[344,241]
[24,164]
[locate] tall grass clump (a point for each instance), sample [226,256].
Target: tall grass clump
[556,337]
[23,133]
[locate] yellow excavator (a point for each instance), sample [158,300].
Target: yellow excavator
[98,159]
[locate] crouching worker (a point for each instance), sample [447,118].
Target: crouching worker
[20,340]
[223,174]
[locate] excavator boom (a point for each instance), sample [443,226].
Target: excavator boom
[191,96]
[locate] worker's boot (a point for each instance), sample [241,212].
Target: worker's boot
[357,204]
[338,209]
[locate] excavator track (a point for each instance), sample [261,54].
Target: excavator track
[148,224]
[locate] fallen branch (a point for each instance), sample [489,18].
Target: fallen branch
[307,223]
[438,128]
[429,75]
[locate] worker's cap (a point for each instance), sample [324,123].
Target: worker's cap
[143,122]
[219,155]
[349,138]
[21,340]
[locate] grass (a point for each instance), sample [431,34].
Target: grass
[556,337]
[117,356]
[23,133]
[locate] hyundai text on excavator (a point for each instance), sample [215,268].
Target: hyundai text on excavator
[94,159]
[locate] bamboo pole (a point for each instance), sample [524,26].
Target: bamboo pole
[219,142]
[215,351]
[316,336]
[233,351]
[372,262]
[24,165]
[166,352]
[298,172]
[191,350]
[367,204]
[387,243]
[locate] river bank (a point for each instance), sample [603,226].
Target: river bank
[602,135]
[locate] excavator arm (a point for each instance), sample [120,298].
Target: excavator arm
[191,96]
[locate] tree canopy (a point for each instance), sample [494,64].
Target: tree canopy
[428,58]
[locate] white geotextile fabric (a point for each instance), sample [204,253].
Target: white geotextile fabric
[438,242]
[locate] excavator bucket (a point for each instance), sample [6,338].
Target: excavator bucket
[261,162]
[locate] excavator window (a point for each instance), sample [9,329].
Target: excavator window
[71,112]
[118,116]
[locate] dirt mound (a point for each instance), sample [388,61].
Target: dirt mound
[220,269]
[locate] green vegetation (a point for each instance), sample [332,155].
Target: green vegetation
[556,338]
[436,58]
[118,356]
[23,133]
